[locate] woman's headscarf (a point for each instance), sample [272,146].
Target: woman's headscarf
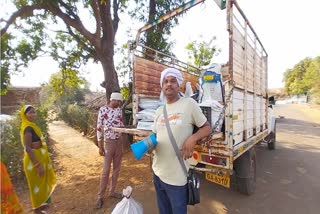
[25,123]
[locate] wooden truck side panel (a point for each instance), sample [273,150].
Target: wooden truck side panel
[146,81]
[248,74]
[146,77]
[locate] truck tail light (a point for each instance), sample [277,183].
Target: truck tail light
[212,159]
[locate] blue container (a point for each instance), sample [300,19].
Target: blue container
[141,147]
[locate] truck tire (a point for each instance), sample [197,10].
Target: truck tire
[272,138]
[245,168]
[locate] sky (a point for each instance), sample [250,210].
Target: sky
[288,29]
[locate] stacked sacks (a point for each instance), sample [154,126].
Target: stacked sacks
[146,116]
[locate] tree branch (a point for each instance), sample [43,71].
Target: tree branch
[81,43]
[75,23]
[95,8]
[107,39]
[75,16]
[115,21]
[104,9]
[27,10]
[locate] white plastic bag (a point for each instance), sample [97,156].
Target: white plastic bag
[128,205]
[189,91]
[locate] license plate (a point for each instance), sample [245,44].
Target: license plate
[223,180]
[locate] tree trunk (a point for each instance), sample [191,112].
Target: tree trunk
[106,53]
[152,13]
[111,83]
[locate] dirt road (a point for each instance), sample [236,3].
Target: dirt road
[287,178]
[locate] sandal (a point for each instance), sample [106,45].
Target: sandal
[40,212]
[99,203]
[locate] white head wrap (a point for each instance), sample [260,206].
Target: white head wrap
[171,72]
[116,96]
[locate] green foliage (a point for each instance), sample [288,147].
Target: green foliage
[6,55]
[304,78]
[5,79]
[201,52]
[125,91]
[67,52]
[11,148]
[65,87]
[42,119]
[57,29]
[66,82]
[78,117]
[156,37]
[123,66]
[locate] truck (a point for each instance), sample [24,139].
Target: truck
[245,115]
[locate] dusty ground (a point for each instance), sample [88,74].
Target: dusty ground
[287,178]
[78,167]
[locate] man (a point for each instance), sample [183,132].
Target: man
[183,114]
[110,116]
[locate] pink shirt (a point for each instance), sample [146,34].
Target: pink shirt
[108,117]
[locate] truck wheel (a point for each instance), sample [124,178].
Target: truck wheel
[245,167]
[272,138]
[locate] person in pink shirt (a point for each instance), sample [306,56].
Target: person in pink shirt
[110,145]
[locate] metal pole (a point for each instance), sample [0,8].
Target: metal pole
[168,15]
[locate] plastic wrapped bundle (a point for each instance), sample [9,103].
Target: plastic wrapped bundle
[146,103]
[146,115]
[128,205]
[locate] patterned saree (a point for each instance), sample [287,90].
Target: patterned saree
[42,187]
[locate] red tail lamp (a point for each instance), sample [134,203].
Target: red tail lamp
[212,159]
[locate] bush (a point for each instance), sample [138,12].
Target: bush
[79,118]
[11,147]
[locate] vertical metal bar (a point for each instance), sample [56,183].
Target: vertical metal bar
[254,88]
[135,103]
[245,76]
[135,98]
[265,59]
[230,29]
[261,88]
[229,85]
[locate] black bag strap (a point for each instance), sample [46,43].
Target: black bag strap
[173,141]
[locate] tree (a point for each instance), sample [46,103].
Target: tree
[294,78]
[74,43]
[65,87]
[156,37]
[304,78]
[201,52]
[312,75]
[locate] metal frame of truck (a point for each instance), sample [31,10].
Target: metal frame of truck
[245,75]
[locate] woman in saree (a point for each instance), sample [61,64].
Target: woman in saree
[36,161]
